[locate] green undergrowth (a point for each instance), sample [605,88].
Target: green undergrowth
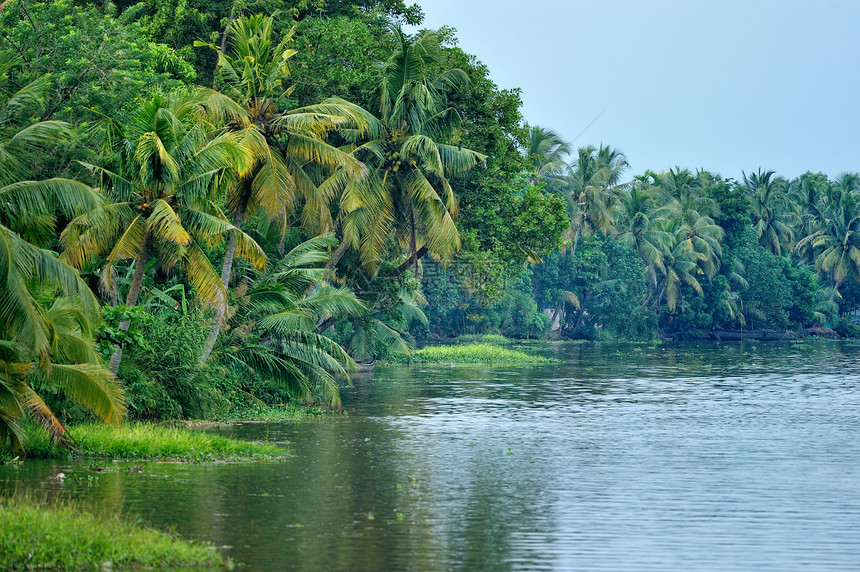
[35,535]
[482,353]
[149,441]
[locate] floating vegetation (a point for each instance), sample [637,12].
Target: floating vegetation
[483,353]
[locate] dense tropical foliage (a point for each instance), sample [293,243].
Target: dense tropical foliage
[360,189]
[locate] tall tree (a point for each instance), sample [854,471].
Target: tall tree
[546,153]
[407,195]
[52,344]
[593,183]
[837,240]
[165,166]
[291,160]
[773,216]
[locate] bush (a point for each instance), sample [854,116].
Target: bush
[846,329]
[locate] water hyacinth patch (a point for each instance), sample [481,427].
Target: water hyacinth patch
[483,353]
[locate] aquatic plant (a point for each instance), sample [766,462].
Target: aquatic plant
[483,353]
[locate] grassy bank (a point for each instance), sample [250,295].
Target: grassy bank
[482,353]
[36,536]
[148,441]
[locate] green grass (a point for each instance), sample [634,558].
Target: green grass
[147,441]
[483,353]
[288,413]
[34,535]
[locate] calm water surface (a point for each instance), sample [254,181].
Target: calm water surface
[624,457]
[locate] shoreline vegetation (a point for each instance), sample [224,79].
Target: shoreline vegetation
[206,217]
[136,441]
[210,217]
[38,535]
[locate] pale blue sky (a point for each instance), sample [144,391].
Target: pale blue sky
[728,85]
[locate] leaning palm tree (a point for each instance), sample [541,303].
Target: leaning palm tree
[51,346]
[291,159]
[406,195]
[160,203]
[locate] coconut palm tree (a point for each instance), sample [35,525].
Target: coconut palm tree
[406,194]
[51,346]
[277,321]
[637,222]
[837,241]
[28,207]
[291,159]
[593,183]
[773,214]
[546,152]
[159,200]
[681,265]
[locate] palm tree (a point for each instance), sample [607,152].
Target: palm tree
[406,194]
[593,183]
[277,325]
[773,215]
[681,265]
[637,220]
[289,148]
[53,345]
[546,152]
[28,207]
[838,239]
[160,203]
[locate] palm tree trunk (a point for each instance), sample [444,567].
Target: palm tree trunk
[575,240]
[338,254]
[223,45]
[405,266]
[131,299]
[834,288]
[412,245]
[226,270]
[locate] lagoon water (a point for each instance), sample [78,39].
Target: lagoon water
[622,457]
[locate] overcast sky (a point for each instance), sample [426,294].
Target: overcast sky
[726,85]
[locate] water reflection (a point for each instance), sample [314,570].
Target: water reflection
[731,457]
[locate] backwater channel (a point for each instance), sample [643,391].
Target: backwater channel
[732,456]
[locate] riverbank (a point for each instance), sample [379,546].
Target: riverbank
[36,535]
[146,441]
